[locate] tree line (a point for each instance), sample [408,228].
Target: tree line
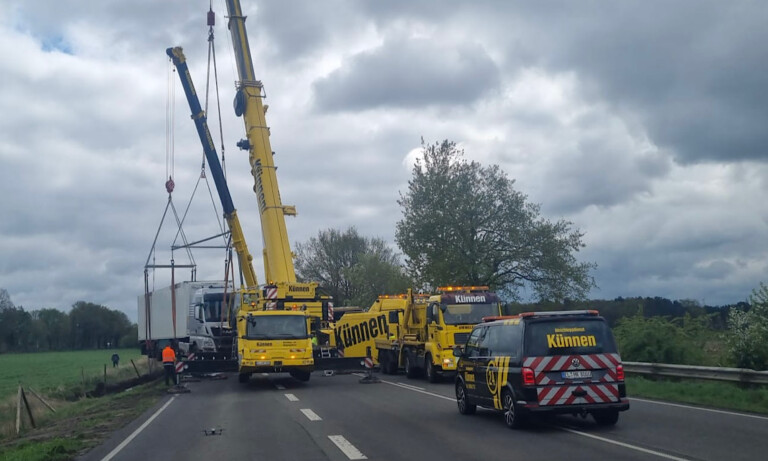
[465,224]
[85,326]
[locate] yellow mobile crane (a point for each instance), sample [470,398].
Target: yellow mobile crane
[260,347]
[273,325]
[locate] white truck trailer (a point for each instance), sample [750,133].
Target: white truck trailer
[199,321]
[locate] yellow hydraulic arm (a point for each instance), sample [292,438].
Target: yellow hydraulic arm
[278,259]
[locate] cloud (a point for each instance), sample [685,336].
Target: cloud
[408,73]
[644,129]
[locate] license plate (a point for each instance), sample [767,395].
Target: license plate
[580,374]
[261,363]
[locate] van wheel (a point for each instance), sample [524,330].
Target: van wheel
[410,370]
[243,377]
[512,416]
[465,408]
[606,417]
[430,370]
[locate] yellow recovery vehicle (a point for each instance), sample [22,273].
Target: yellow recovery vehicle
[416,332]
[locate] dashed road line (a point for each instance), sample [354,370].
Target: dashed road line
[346,447]
[291,397]
[136,432]
[280,387]
[311,415]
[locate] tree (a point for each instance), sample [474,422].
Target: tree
[375,275]
[347,265]
[54,328]
[464,223]
[748,338]
[5,300]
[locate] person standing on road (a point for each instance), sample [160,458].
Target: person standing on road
[169,363]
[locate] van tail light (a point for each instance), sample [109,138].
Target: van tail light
[620,372]
[528,377]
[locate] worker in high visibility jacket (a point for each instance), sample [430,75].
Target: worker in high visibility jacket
[169,363]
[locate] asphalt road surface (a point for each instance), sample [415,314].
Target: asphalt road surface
[338,418]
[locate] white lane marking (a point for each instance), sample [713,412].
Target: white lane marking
[622,444]
[633,447]
[280,386]
[746,415]
[311,415]
[346,447]
[416,389]
[136,432]
[265,374]
[411,386]
[291,397]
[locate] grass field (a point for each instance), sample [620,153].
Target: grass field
[57,372]
[730,396]
[77,426]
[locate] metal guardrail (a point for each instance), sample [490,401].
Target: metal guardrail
[741,375]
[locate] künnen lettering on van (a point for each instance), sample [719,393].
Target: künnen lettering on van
[559,340]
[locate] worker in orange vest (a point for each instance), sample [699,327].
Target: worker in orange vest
[169,363]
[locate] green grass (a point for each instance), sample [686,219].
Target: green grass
[78,426]
[57,449]
[730,396]
[54,372]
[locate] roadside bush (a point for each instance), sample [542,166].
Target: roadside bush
[748,332]
[659,340]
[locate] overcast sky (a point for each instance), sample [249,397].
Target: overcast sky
[644,123]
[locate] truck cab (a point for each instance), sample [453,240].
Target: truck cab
[424,333]
[274,341]
[211,314]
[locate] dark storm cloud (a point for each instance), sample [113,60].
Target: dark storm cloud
[408,73]
[692,71]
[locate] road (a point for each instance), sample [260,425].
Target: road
[337,418]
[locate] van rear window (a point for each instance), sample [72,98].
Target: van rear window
[558,337]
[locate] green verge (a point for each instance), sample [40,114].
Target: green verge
[715,394]
[81,425]
[59,373]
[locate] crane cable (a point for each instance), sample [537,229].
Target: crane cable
[212,57]
[211,21]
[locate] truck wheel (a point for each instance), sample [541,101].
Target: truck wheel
[392,364]
[465,408]
[243,377]
[384,362]
[606,417]
[512,416]
[431,373]
[300,375]
[410,370]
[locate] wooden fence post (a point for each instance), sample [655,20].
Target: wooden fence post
[26,404]
[18,412]
[138,375]
[41,399]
